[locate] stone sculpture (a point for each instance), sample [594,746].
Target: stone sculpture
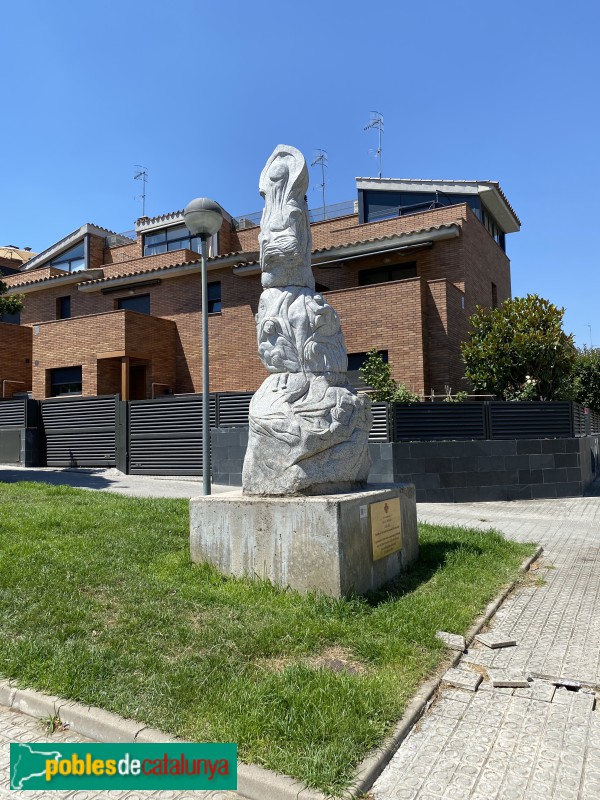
[308,429]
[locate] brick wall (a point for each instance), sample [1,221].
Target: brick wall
[96,251]
[484,263]
[15,359]
[74,342]
[390,317]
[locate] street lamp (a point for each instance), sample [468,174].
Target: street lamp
[203,218]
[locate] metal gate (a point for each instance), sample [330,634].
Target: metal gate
[165,435]
[20,436]
[82,431]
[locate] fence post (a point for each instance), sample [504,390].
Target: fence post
[487,419]
[122,434]
[588,426]
[393,432]
[572,419]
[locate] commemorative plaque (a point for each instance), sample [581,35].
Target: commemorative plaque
[386,528]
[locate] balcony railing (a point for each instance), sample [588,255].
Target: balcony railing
[316,214]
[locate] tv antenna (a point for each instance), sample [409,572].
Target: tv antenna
[377,123]
[141,174]
[590,327]
[321,159]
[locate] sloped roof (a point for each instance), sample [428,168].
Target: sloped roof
[489,191]
[64,244]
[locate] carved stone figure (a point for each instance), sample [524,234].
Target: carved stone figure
[308,429]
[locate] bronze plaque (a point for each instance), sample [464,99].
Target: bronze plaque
[386,528]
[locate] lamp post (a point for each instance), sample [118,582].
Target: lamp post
[203,218]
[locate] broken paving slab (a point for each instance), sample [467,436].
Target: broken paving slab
[452,640]
[540,690]
[510,679]
[462,679]
[495,639]
[567,683]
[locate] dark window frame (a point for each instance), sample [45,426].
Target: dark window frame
[66,263]
[215,301]
[63,307]
[121,303]
[166,240]
[390,272]
[66,381]
[11,319]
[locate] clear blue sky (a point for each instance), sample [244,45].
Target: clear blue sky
[201,92]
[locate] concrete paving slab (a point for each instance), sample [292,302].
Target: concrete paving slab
[494,639]
[452,640]
[462,679]
[510,679]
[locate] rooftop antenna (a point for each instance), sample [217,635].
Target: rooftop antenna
[141,174]
[376,122]
[321,158]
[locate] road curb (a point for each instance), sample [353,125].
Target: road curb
[254,782]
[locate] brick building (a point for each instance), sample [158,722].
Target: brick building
[404,266]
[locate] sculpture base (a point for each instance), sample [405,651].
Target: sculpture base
[312,543]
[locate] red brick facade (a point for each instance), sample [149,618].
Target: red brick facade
[419,321]
[15,359]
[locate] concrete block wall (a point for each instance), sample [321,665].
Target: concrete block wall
[456,472]
[228,449]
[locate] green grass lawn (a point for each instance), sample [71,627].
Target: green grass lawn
[99,603]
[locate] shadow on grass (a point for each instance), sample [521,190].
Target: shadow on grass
[432,557]
[84,479]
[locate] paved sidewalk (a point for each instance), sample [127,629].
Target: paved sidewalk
[111,480]
[16,727]
[537,743]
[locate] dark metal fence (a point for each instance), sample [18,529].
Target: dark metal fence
[20,413]
[491,420]
[165,435]
[552,420]
[430,421]
[81,431]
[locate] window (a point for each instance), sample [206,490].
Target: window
[355,362]
[494,296]
[66,380]
[71,260]
[63,307]
[214,297]
[137,302]
[164,241]
[493,228]
[395,272]
[11,319]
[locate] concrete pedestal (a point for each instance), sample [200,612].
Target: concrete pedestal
[320,543]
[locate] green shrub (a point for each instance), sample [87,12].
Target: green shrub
[378,375]
[586,378]
[519,351]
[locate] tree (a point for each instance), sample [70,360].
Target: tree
[519,351]
[377,374]
[9,305]
[586,378]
